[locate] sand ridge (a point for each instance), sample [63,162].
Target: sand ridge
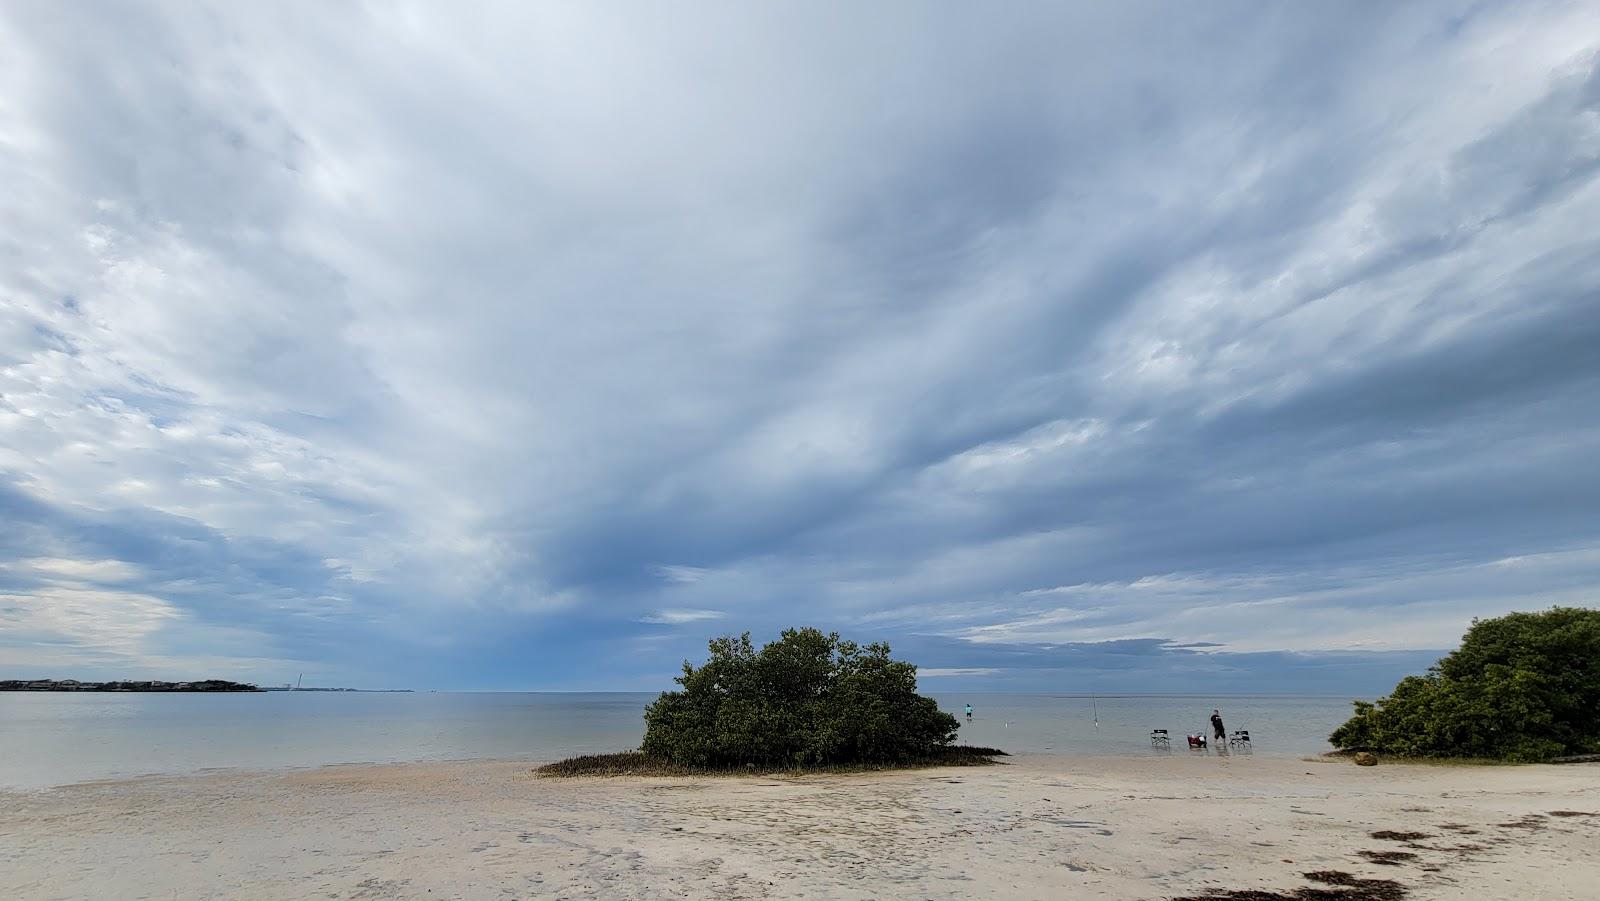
[1037,827]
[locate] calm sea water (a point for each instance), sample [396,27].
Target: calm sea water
[49,738]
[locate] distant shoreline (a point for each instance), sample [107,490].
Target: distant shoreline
[203,685]
[365,691]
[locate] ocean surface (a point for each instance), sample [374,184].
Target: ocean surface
[50,738]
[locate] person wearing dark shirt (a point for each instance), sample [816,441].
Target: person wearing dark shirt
[1216,725]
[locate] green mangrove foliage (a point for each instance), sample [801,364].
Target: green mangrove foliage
[805,700]
[1523,687]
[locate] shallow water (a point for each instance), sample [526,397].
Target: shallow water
[1070,724]
[49,738]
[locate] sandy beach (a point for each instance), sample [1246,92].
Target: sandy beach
[1037,827]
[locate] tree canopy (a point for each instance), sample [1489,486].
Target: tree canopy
[1522,687]
[807,699]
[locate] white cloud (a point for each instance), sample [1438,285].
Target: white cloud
[60,569]
[682,575]
[937,673]
[678,617]
[116,622]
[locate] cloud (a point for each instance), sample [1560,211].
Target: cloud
[681,574]
[91,571]
[934,673]
[679,617]
[1248,342]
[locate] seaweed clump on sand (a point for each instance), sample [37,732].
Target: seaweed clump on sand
[1388,858]
[637,763]
[1333,885]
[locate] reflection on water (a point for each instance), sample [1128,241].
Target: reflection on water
[56,738]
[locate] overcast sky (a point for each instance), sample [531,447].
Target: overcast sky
[1065,346]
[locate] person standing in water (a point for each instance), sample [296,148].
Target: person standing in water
[969,713]
[1216,727]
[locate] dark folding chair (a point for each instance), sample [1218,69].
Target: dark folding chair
[1239,739]
[1160,739]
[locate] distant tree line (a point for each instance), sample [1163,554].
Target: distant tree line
[75,685]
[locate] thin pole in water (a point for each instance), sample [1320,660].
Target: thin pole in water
[1096,704]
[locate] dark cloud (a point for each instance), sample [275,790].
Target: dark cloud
[1124,347]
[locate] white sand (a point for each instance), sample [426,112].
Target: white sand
[1040,827]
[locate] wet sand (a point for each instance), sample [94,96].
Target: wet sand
[1037,827]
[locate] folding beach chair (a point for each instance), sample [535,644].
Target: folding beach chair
[1240,739]
[1160,739]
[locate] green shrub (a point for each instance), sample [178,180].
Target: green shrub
[807,699]
[1523,687]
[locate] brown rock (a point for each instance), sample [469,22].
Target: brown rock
[1366,758]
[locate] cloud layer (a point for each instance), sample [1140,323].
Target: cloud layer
[522,347]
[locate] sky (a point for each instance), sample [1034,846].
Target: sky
[1067,347]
